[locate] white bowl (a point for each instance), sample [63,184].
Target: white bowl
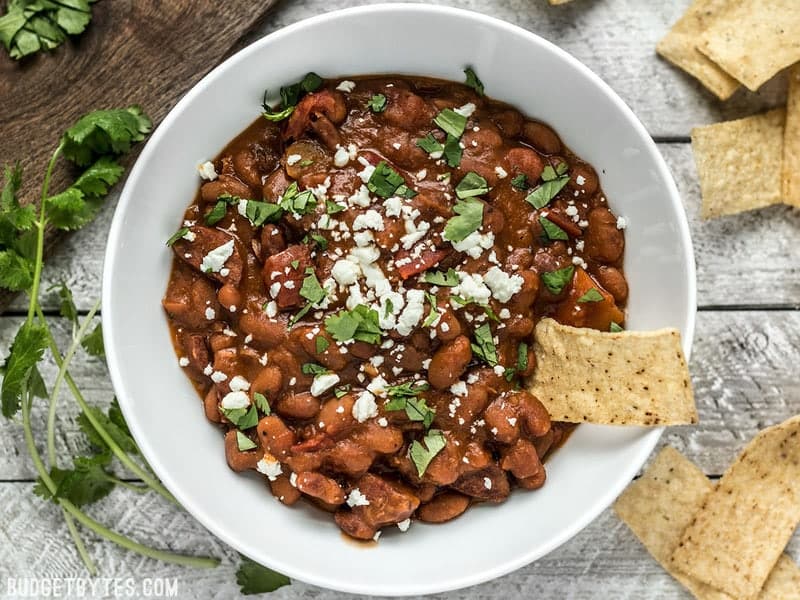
[166,416]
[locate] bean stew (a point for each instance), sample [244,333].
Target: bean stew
[355,287]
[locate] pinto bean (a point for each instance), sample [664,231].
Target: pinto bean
[526,296]
[583,179]
[445,467]
[319,486]
[204,241]
[383,440]
[297,406]
[348,457]
[275,436]
[354,525]
[230,297]
[541,137]
[225,184]
[502,419]
[534,482]
[275,185]
[444,507]
[219,341]
[211,405]
[449,362]
[327,132]
[268,382]
[526,162]
[489,483]
[272,241]
[337,414]
[196,352]
[603,241]
[519,326]
[248,167]
[448,328]
[406,110]
[533,413]
[300,462]
[331,357]
[508,121]
[284,491]
[267,333]
[389,501]
[614,283]
[521,459]
[313,158]
[239,460]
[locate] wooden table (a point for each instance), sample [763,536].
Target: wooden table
[744,363]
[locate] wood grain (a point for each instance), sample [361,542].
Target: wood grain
[142,52]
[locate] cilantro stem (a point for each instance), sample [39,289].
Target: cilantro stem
[76,538]
[139,489]
[62,369]
[123,457]
[40,225]
[91,524]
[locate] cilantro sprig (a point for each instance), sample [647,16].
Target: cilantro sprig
[94,142]
[290,96]
[360,324]
[31,26]
[422,453]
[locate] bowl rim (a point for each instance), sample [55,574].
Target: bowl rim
[126,198]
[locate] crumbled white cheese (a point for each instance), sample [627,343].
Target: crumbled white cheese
[487,483]
[218,376]
[271,309]
[323,382]
[475,243]
[412,313]
[346,86]
[378,386]
[239,384]
[189,236]
[341,157]
[361,197]
[364,407]
[270,467]
[503,285]
[183,361]
[210,313]
[466,110]
[214,260]
[459,388]
[235,400]
[207,170]
[580,180]
[622,222]
[356,498]
[293,159]
[472,288]
[371,219]
[404,525]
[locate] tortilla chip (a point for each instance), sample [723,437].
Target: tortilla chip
[754,39]
[791,141]
[662,503]
[625,378]
[744,524]
[739,163]
[679,47]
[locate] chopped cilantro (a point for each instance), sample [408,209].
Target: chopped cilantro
[552,231]
[332,207]
[452,151]
[359,324]
[451,122]
[321,344]
[473,81]
[177,235]
[520,182]
[297,202]
[405,192]
[319,240]
[555,281]
[377,103]
[255,579]
[290,96]
[554,181]
[469,218]
[313,369]
[615,328]
[341,391]
[422,454]
[591,295]
[244,443]
[261,402]
[384,180]
[406,397]
[258,212]
[484,347]
[216,214]
[471,185]
[447,278]
[430,144]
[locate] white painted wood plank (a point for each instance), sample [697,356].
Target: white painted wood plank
[744,369]
[741,259]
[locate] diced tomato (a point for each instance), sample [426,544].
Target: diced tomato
[596,315]
[427,259]
[286,271]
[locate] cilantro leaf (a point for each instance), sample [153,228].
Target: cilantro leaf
[97,179]
[16,271]
[471,185]
[93,342]
[26,351]
[359,324]
[384,180]
[290,96]
[258,212]
[555,281]
[113,423]
[67,308]
[13,217]
[520,181]
[244,443]
[255,579]
[177,235]
[591,295]
[406,397]
[554,181]
[332,207]
[377,103]
[33,25]
[68,210]
[473,81]
[430,145]
[469,218]
[312,291]
[104,132]
[452,151]
[313,369]
[451,122]
[422,455]
[442,278]
[261,402]
[85,483]
[484,347]
[552,231]
[321,344]
[296,202]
